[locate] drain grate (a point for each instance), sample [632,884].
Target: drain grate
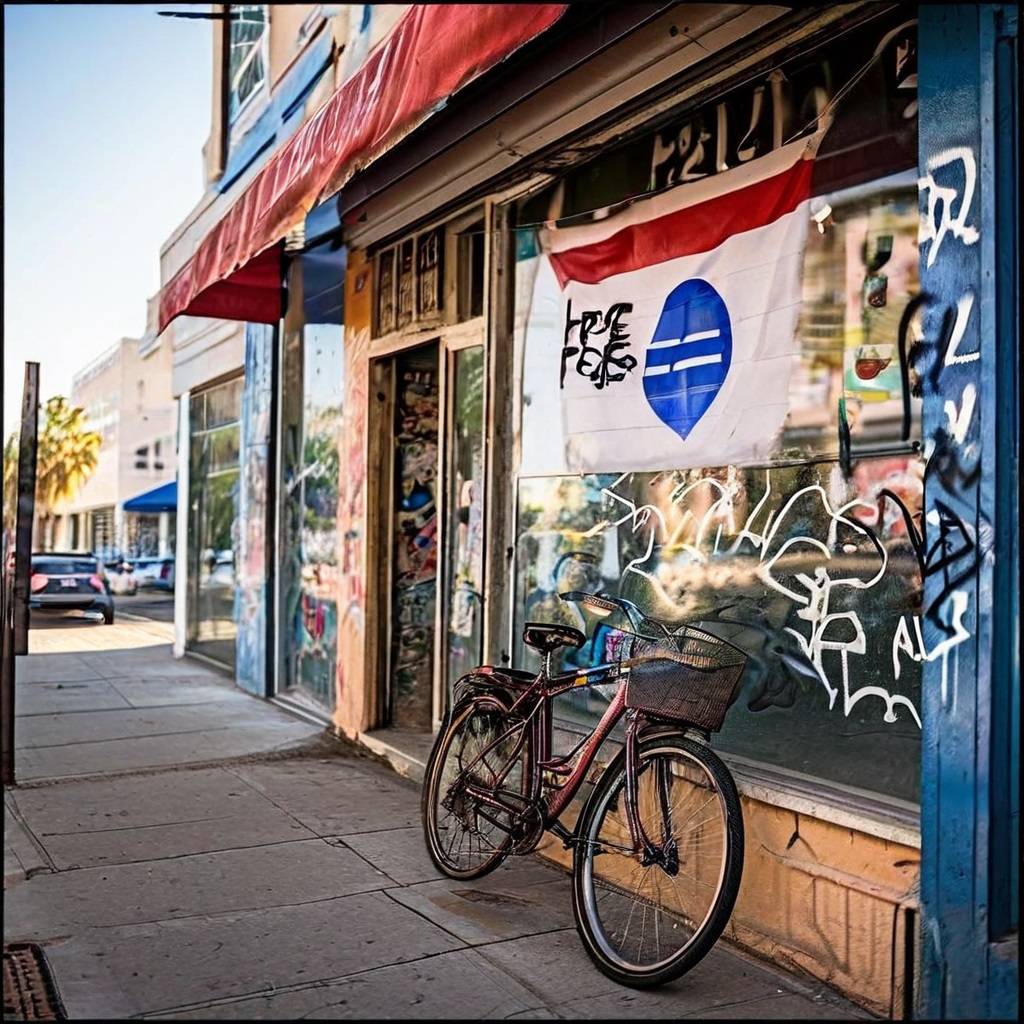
[29,992]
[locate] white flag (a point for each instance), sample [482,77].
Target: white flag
[677,333]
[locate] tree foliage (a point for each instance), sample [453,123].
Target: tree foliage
[67,455]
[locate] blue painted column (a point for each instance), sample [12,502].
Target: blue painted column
[967,362]
[251,589]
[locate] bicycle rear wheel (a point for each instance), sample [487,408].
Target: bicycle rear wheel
[466,839]
[646,925]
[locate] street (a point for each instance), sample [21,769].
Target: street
[148,603]
[180,849]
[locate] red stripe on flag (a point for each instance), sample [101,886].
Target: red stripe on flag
[698,228]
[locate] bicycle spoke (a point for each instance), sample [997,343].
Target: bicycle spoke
[648,915]
[484,752]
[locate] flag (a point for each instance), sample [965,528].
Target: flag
[677,326]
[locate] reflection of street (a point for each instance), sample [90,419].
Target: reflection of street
[147,604]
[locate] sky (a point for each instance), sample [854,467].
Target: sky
[106,110]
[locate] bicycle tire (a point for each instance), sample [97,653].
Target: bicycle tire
[430,796]
[718,916]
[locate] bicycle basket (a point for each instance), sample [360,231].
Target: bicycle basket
[690,676]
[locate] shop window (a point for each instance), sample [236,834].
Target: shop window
[214,444]
[404,305]
[313,477]
[430,273]
[471,271]
[430,278]
[806,554]
[247,55]
[386,318]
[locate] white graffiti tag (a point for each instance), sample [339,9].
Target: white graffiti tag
[944,214]
[831,633]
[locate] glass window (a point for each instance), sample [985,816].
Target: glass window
[213,520]
[812,570]
[414,552]
[471,271]
[464,566]
[313,388]
[247,57]
[414,276]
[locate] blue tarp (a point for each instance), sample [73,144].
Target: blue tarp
[161,499]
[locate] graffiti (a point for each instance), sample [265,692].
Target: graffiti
[251,549]
[949,549]
[948,206]
[816,572]
[601,365]
[415,540]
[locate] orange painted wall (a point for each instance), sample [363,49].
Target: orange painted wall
[351,709]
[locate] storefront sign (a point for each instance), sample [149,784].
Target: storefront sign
[677,325]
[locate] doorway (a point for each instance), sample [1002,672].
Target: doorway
[431,528]
[413,554]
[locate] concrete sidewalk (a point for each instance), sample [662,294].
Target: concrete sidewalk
[183,850]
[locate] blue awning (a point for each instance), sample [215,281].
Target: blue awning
[161,499]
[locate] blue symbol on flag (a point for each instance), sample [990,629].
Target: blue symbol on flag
[689,356]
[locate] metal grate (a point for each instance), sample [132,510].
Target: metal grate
[29,991]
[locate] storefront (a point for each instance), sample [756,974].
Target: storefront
[670,338]
[213,522]
[311,404]
[758,466]
[149,522]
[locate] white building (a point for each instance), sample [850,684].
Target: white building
[126,394]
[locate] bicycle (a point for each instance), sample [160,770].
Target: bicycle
[658,846]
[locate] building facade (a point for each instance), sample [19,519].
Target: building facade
[713,308]
[126,395]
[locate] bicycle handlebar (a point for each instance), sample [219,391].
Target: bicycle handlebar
[604,605]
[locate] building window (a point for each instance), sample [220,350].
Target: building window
[142,457]
[811,568]
[247,57]
[415,275]
[158,462]
[212,511]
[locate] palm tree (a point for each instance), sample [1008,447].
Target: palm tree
[67,456]
[10,481]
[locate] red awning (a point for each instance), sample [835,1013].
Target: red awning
[434,50]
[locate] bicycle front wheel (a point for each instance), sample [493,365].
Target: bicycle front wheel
[644,925]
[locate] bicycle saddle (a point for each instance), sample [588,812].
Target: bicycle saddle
[549,636]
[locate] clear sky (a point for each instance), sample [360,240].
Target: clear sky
[106,109]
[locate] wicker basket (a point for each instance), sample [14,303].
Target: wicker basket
[689,676]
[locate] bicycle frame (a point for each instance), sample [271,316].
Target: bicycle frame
[537,725]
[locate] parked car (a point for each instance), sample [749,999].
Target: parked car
[157,573]
[63,581]
[120,576]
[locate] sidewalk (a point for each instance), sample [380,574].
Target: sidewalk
[183,850]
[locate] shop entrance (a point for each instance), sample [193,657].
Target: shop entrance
[425,609]
[430,528]
[413,549]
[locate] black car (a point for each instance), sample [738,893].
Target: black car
[63,581]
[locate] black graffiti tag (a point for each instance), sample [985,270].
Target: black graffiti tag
[599,351]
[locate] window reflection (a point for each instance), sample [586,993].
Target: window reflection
[465,525]
[313,383]
[213,520]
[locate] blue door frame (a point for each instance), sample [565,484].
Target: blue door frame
[969,365]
